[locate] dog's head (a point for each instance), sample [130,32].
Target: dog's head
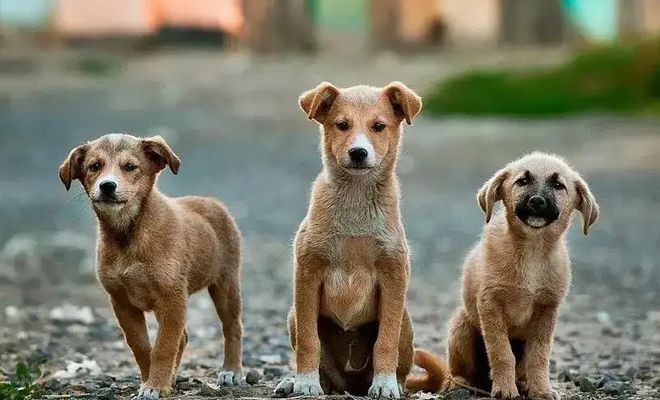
[118,171]
[360,125]
[539,191]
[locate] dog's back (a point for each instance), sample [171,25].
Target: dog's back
[213,238]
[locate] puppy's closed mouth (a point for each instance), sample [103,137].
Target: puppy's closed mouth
[109,201]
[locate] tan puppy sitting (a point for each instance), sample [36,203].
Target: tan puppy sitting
[153,251]
[349,326]
[514,281]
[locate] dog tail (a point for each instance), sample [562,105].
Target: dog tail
[437,372]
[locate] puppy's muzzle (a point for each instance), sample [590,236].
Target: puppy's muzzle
[537,211]
[107,192]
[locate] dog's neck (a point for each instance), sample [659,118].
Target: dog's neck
[130,226]
[360,204]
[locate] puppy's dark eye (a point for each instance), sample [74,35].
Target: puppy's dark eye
[130,167]
[342,126]
[378,127]
[95,167]
[558,185]
[524,181]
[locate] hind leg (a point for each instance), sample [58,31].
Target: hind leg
[406,350]
[226,296]
[518,347]
[462,351]
[182,347]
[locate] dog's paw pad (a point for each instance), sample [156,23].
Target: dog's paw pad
[384,387]
[147,393]
[229,378]
[285,387]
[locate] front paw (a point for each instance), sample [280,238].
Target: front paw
[150,393]
[384,386]
[307,384]
[551,395]
[500,391]
[285,387]
[230,378]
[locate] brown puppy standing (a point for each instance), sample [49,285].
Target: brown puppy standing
[349,325]
[153,251]
[514,281]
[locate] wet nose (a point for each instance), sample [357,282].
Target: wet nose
[108,187]
[537,202]
[358,154]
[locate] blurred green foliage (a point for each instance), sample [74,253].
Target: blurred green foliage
[22,386]
[621,78]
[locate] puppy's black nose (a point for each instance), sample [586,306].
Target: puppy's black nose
[358,154]
[537,202]
[108,187]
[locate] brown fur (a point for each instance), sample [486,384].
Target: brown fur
[351,264]
[154,251]
[514,281]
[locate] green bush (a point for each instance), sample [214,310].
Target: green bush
[22,386]
[621,78]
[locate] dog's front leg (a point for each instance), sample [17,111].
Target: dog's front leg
[498,348]
[537,353]
[171,317]
[133,325]
[308,345]
[393,282]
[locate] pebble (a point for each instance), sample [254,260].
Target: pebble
[105,394]
[616,388]
[253,376]
[632,373]
[609,364]
[186,385]
[90,387]
[70,314]
[586,385]
[604,379]
[274,372]
[567,375]
[458,394]
[209,391]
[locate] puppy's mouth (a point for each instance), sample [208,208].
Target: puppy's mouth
[358,168]
[109,202]
[536,219]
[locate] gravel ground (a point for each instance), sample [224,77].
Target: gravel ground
[234,123]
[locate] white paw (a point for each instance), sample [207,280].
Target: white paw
[285,387]
[147,393]
[229,378]
[307,384]
[384,386]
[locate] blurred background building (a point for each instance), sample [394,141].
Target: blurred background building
[305,25]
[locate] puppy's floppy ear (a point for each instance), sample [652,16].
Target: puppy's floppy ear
[586,204]
[491,192]
[317,102]
[71,168]
[406,103]
[157,149]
